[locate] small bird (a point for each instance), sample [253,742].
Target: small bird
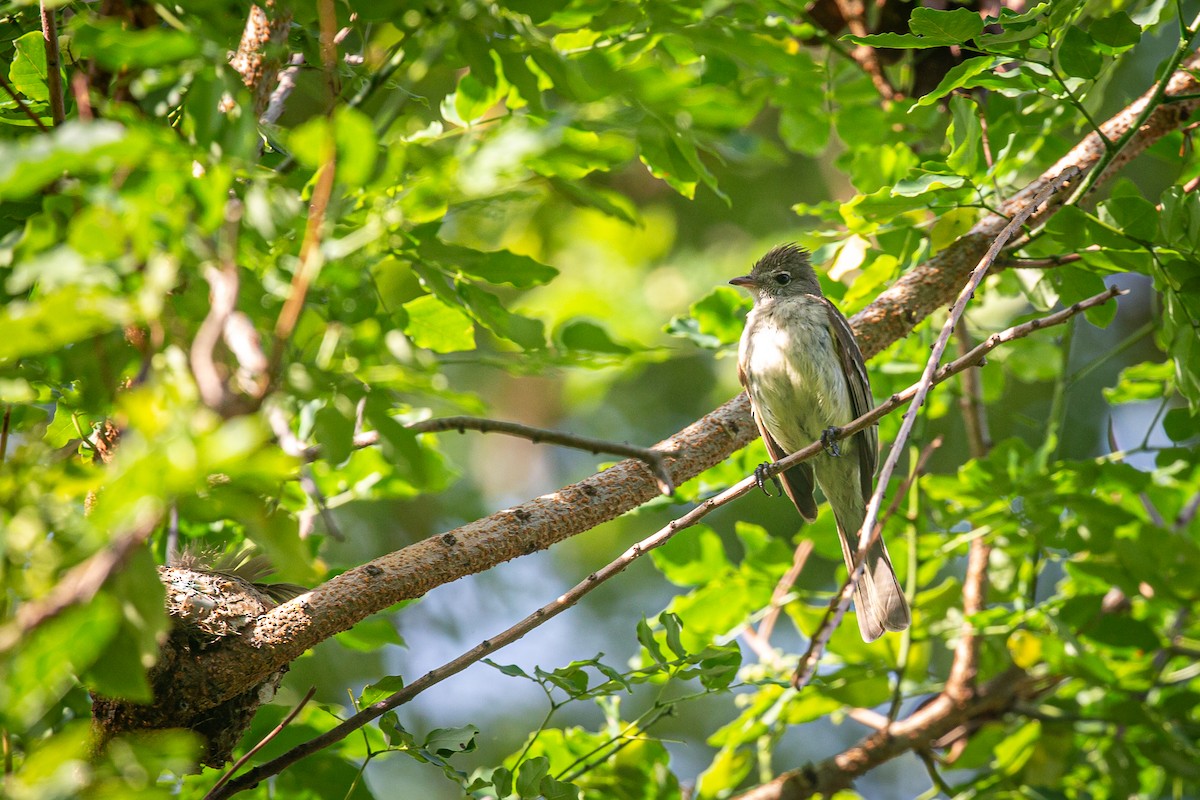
[805,376]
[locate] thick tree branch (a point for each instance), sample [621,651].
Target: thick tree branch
[255,60]
[285,632]
[614,568]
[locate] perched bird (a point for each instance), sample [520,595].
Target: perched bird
[805,376]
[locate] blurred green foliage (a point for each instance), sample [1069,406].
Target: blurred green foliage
[533,203]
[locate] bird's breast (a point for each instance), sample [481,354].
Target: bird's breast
[793,371]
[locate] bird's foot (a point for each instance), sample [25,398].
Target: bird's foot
[760,478]
[829,440]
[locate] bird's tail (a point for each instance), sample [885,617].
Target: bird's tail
[878,599]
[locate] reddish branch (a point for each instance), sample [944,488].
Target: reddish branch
[54,82]
[933,720]
[854,13]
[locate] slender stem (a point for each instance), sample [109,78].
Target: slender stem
[656,460]
[20,101]
[54,82]
[4,432]
[283,723]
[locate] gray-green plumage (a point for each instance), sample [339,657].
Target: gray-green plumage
[804,373]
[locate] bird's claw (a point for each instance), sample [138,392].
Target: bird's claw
[829,440]
[760,478]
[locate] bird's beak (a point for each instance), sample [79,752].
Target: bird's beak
[744,280]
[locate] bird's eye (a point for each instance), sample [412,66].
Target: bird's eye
[782,278]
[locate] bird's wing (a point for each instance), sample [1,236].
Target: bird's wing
[855,370]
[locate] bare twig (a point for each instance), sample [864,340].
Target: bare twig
[283,723]
[854,12]
[964,669]
[655,459]
[54,83]
[223,290]
[767,626]
[309,485]
[868,533]
[974,412]
[4,428]
[267,27]
[310,250]
[615,567]
[79,90]
[940,715]
[279,97]
[20,101]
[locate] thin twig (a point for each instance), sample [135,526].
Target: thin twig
[4,428]
[79,90]
[20,101]
[1097,173]
[310,250]
[656,460]
[868,534]
[283,723]
[767,626]
[854,13]
[964,669]
[615,567]
[54,83]
[223,290]
[974,412]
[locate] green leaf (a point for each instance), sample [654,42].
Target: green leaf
[497,266]
[447,742]
[586,336]
[370,635]
[379,690]
[62,318]
[437,326]
[530,775]
[116,47]
[1117,31]
[926,183]
[334,431]
[488,311]
[1078,56]
[959,77]
[692,558]
[950,27]
[714,320]
[28,73]
[73,148]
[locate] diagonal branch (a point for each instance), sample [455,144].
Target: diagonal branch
[868,534]
[617,566]
[287,631]
[932,720]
